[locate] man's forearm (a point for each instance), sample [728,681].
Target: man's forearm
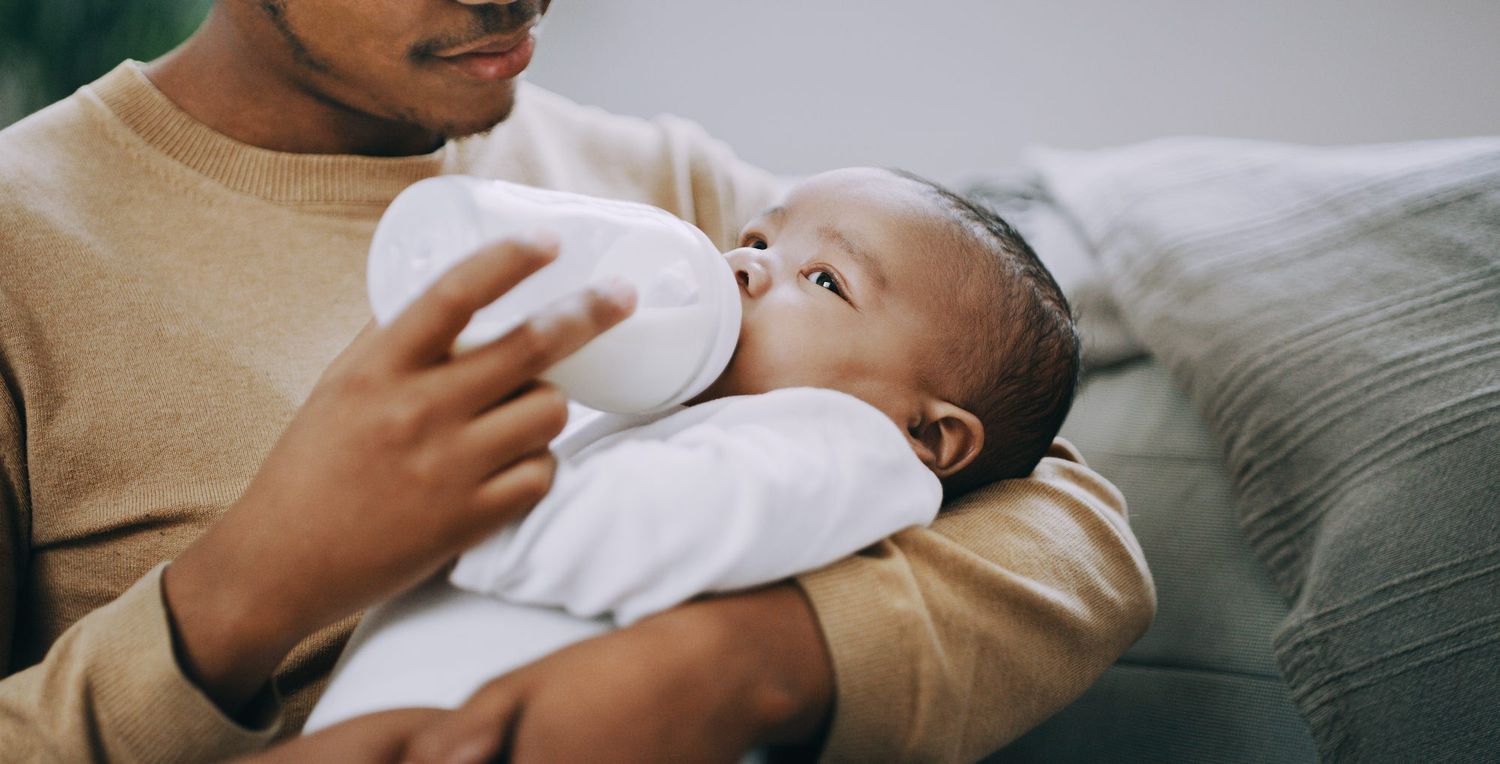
[770,638]
[701,682]
[105,686]
[950,641]
[224,636]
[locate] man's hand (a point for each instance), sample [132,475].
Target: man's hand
[704,682]
[402,456]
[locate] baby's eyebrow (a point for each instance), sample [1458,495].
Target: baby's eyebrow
[776,213]
[867,262]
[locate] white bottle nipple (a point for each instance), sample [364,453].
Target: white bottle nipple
[687,316]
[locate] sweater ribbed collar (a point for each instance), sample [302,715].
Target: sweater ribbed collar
[273,175]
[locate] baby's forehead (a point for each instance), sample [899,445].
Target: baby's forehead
[902,221]
[872,186]
[868,203]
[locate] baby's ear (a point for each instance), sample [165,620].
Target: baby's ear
[946,437]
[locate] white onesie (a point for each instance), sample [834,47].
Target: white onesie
[645,512]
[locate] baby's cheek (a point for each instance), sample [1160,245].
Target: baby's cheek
[732,381]
[747,375]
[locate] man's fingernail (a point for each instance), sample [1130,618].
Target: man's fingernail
[475,751]
[542,238]
[618,291]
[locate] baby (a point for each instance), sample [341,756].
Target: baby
[897,343]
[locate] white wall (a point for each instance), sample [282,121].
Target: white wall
[944,87]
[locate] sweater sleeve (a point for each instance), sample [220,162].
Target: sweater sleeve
[107,683]
[948,642]
[717,191]
[764,487]
[104,687]
[15,515]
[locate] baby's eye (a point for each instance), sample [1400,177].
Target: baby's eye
[753,241]
[825,278]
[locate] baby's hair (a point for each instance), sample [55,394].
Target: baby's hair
[1021,351]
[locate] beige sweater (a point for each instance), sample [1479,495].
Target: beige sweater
[168,297]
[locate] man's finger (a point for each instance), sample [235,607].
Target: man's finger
[524,424]
[493,372]
[475,733]
[512,492]
[424,332]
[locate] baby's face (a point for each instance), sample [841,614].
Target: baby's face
[835,291]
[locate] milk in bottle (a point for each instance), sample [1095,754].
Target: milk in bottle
[687,316]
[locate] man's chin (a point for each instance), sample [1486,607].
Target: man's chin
[465,125]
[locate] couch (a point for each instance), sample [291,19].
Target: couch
[1293,374]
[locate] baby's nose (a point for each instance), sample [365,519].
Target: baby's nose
[750,270]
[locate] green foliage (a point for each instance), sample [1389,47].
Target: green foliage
[50,47]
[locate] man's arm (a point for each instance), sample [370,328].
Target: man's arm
[340,514]
[703,682]
[110,689]
[949,642]
[941,644]
[108,681]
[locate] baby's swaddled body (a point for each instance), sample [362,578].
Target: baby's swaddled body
[894,339]
[645,512]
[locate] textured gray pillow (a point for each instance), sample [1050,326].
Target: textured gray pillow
[1334,315]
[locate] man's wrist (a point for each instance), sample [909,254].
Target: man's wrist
[226,637]
[768,643]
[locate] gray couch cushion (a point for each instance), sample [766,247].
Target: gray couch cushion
[1202,684]
[1333,314]
[1138,713]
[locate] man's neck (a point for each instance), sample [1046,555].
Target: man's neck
[220,79]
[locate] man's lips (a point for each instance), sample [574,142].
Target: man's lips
[495,43]
[492,58]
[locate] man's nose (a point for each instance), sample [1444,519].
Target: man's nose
[750,270]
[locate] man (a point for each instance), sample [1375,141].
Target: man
[184,246]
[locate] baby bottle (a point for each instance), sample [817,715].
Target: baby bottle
[687,316]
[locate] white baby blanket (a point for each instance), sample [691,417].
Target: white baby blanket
[644,513]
